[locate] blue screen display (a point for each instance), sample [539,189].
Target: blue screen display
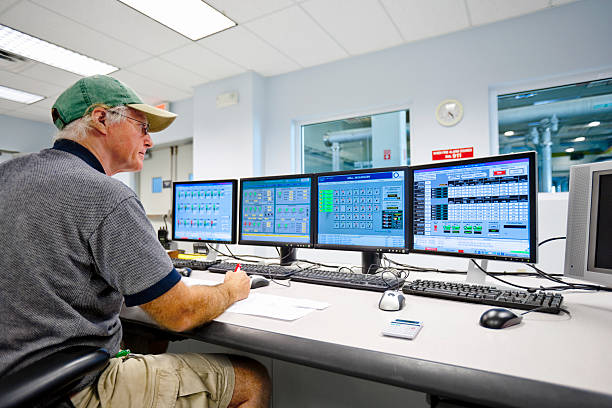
[276,210]
[203,211]
[362,209]
[477,209]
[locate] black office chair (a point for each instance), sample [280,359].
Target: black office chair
[49,380]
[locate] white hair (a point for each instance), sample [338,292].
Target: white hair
[77,129]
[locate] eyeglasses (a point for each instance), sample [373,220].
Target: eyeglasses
[144,125]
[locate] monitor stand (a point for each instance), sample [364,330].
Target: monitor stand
[205,249]
[370,262]
[287,256]
[474,275]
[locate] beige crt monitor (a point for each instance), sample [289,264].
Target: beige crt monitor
[588,249]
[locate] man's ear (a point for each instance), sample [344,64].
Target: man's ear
[99,117]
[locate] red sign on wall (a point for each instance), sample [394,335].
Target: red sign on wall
[387,154]
[447,154]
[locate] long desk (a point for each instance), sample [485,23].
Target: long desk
[546,361]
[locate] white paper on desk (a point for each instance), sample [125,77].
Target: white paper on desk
[276,307]
[194,281]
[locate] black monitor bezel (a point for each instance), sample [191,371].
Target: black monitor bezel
[242,241]
[234,183]
[363,248]
[533,197]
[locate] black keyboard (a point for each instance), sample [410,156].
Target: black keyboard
[192,263]
[269,271]
[373,283]
[488,295]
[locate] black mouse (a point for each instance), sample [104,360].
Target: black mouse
[499,319]
[258,281]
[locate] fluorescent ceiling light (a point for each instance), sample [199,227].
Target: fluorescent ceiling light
[580,139]
[570,150]
[594,123]
[19,96]
[192,18]
[509,133]
[50,54]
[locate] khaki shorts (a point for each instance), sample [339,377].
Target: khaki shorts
[164,380]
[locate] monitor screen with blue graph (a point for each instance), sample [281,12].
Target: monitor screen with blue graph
[204,211]
[276,211]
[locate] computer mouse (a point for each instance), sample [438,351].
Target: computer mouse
[258,281]
[391,300]
[499,318]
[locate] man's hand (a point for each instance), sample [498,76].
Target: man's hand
[238,284]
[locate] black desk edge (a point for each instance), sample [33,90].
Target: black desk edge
[476,386]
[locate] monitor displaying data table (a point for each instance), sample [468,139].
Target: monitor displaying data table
[479,208]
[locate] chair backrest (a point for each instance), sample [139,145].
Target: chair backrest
[48,380]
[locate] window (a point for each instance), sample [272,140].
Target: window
[566,125]
[362,142]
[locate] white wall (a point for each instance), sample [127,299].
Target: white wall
[25,136]
[226,140]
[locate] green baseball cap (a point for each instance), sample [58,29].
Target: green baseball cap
[88,92]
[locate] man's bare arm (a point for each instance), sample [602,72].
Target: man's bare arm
[185,307]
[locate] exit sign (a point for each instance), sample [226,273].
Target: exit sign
[449,154]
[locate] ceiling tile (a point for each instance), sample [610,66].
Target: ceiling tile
[359,26]
[150,90]
[47,73]
[48,102]
[168,73]
[33,112]
[297,35]
[4,4]
[9,106]
[488,11]
[242,47]
[560,2]
[42,23]
[23,83]
[418,19]
[124,23]
[242,11]
[196,58]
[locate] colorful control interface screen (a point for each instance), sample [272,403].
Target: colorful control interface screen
[276,210]
[203,211]
[477,209]
[362,209]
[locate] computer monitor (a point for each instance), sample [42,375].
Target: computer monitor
[204,211]
[363,210]
[588,253]
[481,208]
[276,211]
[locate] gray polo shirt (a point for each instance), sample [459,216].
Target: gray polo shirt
[75,243]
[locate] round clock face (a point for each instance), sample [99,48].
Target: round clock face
[449,112]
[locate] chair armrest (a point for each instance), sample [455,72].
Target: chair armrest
[50,378]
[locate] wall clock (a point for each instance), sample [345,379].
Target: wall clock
[449,112]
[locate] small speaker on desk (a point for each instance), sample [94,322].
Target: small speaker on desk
[578,221]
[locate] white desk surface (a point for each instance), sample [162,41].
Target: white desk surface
[568,351]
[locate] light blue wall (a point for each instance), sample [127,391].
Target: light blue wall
[24,136]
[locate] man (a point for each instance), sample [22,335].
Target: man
[76,243]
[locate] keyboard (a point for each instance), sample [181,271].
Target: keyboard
[192,263]
[373,283]
[269,271]
[488,295]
